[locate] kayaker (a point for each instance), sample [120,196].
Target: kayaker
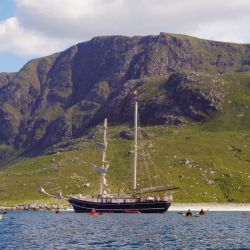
[189,213]
[202,212]
[93,211]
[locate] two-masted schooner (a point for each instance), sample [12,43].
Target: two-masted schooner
[137,202]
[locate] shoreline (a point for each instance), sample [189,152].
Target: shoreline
[210,206]
[34,207]
[174,207]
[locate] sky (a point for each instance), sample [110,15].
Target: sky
[36,28]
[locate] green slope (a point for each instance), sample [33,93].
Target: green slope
[209,161]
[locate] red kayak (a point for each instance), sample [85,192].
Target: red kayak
[94,213]
[245,213]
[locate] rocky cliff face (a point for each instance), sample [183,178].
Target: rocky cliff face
[57,97]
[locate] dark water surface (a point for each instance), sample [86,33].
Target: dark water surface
[68,230]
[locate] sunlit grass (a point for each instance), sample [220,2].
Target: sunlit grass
[210,162]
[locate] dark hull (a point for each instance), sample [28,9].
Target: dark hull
[84,206]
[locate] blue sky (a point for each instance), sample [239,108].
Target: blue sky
[10,62]
[7,9]
[36,28]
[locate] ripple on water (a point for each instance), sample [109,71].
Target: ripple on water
[46,230]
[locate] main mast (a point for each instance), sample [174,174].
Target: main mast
[135,149]
[104,156]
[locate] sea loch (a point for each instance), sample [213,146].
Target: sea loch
[68,230]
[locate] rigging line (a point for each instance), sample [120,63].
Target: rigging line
[92,145]
[154,168]
[141,182]
[115,152]
[131,168]
[146,169]
[146,165]
[95,153]
[146,153]
[141,170]
[111,149]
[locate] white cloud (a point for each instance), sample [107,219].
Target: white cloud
[225,30]
[20,41]
[42,27]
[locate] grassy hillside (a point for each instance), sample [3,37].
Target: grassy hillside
[209,161]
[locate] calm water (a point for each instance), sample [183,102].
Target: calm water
[67,230]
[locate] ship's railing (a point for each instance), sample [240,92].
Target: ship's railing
[125,200]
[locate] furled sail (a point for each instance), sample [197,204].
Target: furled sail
[105,181]
[58,195]
[156,189]
[41,190]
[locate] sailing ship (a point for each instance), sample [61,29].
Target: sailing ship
[137,202]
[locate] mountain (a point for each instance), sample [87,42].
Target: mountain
[57,97]
[194,98]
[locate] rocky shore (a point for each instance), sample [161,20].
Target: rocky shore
[35,207]
[173,207]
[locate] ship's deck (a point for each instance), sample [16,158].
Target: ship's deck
[121,199]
